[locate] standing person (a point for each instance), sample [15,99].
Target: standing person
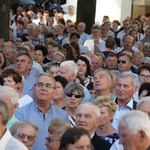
[7,141]
[40,111]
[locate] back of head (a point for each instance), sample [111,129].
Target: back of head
[136,121]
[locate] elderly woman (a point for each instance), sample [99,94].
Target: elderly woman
[56,130]
[107,109]
[74,95]
[26,132]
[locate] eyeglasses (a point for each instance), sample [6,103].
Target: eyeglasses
[144,76]
[22,136]
[75,95]
[48,139]
[121,61]
[40,85]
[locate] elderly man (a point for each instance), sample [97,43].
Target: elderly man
[102,83]
[125,88]
[40,111]
[88,117]
[10,97]
[81,28]
[7,142]
[96,44]
[68,70]
[134,131]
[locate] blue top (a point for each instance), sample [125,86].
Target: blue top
[32,113]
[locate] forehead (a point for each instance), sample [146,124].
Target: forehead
[125,80]
[123,57]
[86,110]
[45,77]
[26,129]
[100,73]
[23,57]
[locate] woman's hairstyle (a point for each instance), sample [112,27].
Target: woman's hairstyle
[69,50]
[106,101]
[71,136]
[42,48]
[144,86]
[63,81]
[74,87]
[83,58]
[58,127]
[5,61]
[14,73]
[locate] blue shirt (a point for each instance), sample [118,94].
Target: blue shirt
[32,113]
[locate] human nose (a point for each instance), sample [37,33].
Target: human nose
[120,140]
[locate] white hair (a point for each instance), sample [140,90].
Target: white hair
[10,91]
[143,99]
[137,121]
[129,75]
[72,66]
[91,106]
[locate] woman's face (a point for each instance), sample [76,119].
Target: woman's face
[50,50]
[18,42]
[8,81]
[105,117]
[134,34]
[38,56]
[138,60]
[144,76]
[83,144]
[82,67]
[53,142]
[20,26]
[73,99]
[60,91]
[1,59]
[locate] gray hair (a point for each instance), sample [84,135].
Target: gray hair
[4,112]
[72,66]
[91,106]
[129,75]
[18,125]
[72,87]
[136,121]
[146,60]
[116,74]
[10,91]
[106,71]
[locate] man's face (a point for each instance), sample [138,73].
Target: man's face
[129,140]
[42,91]
[87,119]
[65,72]
[30,30]
[94,64]
[10,55]
[81,27]
[95,33]
[111,62]
[101,81]
[37,31]
[146,51]
[23,64]
[126,25]
[124,64]
[147,33]
[125,89]
[128,43]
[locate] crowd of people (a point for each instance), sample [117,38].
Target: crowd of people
[64,89]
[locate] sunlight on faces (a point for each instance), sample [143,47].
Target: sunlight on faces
[87,119]
[44,94]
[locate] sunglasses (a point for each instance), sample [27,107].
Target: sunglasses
[121,61]
[75,95]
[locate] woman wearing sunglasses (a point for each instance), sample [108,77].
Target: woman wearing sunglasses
[74,95]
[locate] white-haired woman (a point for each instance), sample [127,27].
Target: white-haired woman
[107,109]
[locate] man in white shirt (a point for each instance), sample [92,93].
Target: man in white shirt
[96,42]
[7,142]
